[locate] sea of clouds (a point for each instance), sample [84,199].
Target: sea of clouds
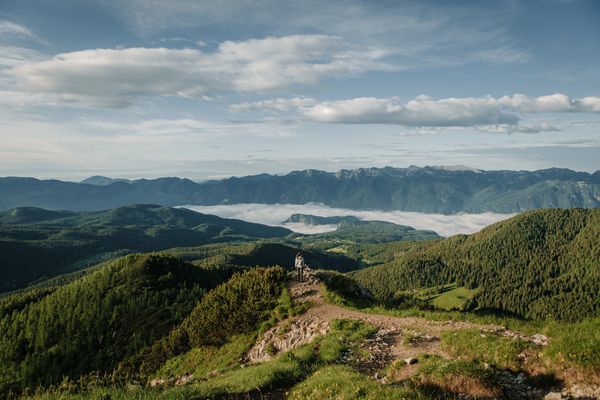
[275,214]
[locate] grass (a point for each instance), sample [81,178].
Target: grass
[204,360]
[342,383]
[575,344]
[218,373]
[284,370]
[525,326]
[284,308]
[345,334]
[486,347]
[287,368]
[455,376]
[452,297]
[338,249]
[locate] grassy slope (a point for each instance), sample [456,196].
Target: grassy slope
[452,297]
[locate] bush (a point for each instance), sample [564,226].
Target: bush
[234,307]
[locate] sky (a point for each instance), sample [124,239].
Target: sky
[209,89]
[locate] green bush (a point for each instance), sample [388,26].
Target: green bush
[234,307]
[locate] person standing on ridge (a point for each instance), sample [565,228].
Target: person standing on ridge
[300,266]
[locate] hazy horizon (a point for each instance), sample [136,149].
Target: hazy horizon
[197,177]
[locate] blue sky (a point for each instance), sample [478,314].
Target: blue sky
[205,89]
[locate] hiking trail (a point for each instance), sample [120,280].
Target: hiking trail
[398,338]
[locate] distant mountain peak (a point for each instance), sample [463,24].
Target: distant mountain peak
[100,180]
[458,168]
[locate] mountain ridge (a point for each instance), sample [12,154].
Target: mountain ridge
[426,189]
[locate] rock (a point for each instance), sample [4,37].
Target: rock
[410,361]
[184,379]
[583,391]
[157,382]
[553,396]
[539,339]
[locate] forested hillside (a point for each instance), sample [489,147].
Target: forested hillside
[374,232]
[539,264]
[37,243]
[428,189]
[92,323]
[108,316]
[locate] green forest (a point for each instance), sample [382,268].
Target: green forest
[540,264]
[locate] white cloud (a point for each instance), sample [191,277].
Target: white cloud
[557,102]
[421,111]
[428,112]
[278,104]
[521,128]
[114,77]
[275,214]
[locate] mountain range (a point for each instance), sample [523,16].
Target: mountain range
[427,189]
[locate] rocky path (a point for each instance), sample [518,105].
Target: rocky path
[398,338]
[403,337]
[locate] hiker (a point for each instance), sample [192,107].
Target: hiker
[300,266]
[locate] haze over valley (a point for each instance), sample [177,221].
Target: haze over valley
[276,215]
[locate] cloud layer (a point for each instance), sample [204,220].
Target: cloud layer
[428,112]
[275,214]
[114,77]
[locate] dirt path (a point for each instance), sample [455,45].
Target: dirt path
[398,337]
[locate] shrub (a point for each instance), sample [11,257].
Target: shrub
[234,307]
